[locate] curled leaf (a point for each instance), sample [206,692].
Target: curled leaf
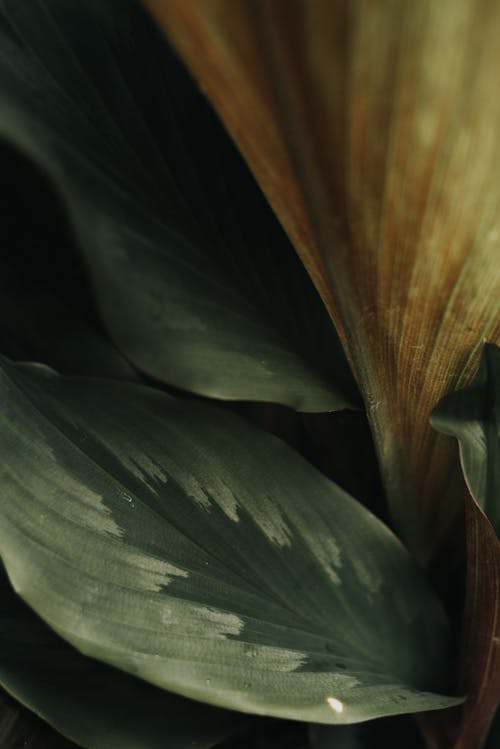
[472,417]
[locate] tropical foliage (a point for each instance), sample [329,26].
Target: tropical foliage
[196,546]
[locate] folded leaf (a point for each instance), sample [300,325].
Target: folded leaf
[466,726]
[473,417]
[174,541]
[372,128]
[94,705]
[194,278]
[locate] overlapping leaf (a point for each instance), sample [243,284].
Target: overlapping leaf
[174,541]
[473,417]
[372,129]
[94,705]
[194,277]
[20,728]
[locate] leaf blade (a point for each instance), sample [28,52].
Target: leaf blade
[187,553]
[194,278]
[472,416]
[92,704]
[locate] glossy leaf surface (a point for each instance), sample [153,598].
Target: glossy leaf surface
[174,541]
[194,278]
[94,705]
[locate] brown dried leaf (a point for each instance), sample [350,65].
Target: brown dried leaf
[373,129]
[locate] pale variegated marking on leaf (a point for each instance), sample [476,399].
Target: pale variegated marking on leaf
[368,576]
[87,506]
[150,573]
[218,624]
[282,659]
[268,518]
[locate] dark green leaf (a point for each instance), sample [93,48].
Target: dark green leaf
[20,728]
[389,732]
[174,541]
[270,733]
[336,737]
[473,417]
[194,277]
[93,704]
[494,734]
[36,326]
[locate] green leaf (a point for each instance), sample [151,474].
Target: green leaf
[195,279]
[36,326]
[20,728]
[176,542]
[473,417]
[389,732]
[336,737]
[494,734]
[92,704]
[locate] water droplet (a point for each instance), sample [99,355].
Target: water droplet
[127,498]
